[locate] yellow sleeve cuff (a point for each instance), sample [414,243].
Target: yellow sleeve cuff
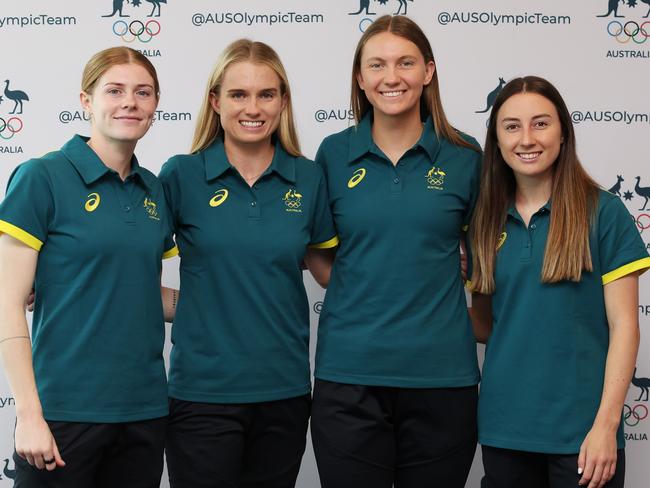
[21,235]
[171,253]
[640,264]
[333,242]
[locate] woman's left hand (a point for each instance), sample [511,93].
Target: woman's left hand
[597,458]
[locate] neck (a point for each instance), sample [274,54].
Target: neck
[532,194]
[250,160]
[116,155]
[396,135]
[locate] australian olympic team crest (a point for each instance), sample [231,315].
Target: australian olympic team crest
[368,8]
[635,193]
[132,23]
[627,24]
[292,201]
[435,178]
[12,104]
[635,412]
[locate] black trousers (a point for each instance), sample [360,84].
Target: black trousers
[506,468]
[128,455]
[379,437]
[253,445]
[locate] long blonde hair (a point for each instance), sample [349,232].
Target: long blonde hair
[430,102]
[574,197]
[208,125]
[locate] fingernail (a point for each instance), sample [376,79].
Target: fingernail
[579,470]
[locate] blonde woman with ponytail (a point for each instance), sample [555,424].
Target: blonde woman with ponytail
[247,210]
[556,261]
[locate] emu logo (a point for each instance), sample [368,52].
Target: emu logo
[16,96]
[364,7]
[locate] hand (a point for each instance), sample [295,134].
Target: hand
[597,458]
[29,302]
[463,266]
[36,444]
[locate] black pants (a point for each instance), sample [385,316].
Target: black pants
[128,455]
[506,468]
[377,437]
[236,445]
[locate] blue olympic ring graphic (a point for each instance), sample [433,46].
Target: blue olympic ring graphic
[633,415]
[136,30]
[630,30]
[642,222]
[10,127]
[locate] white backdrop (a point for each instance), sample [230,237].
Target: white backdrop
[596,52]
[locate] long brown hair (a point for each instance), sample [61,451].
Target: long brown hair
[208,124]
[430,102]
[574,197]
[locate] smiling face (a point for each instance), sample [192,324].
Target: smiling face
[122,104]
[393,74]
[249,103]
[529,135]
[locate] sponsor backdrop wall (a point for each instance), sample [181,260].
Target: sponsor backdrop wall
[596,51]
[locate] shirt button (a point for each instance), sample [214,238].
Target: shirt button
[396,181]
[253,204]
[127,208]
[533,226]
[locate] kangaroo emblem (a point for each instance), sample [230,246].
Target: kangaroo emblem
[616,189]
[292,199]
[492,97]
[117,7]
[612,6]
[363,5]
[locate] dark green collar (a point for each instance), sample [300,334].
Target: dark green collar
[361,141]
[91,168]
[216,162]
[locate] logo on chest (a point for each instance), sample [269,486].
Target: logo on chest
[151,208]
[502,240]
[435,178]
[357,176]
[218,198]
[292,201]
[92,203]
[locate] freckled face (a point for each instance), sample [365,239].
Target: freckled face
[122,104]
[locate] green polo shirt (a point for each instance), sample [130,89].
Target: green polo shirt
[395,312]
[241,331]
[545,360]
[98,328]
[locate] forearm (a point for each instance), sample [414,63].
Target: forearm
[481,315]
[621,359]
[169,300]
[16,352]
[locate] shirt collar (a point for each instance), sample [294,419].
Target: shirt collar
[91,168]
[512,210]
[216,161]
[361,141]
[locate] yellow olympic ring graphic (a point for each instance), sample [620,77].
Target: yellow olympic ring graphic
[92,203]
[357,176]
[436,181]
[219,197]
[292,203]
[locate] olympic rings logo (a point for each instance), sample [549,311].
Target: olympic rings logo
[136,30]
[292,203]
[436,181]
[10,127]
[632,416]
[630,30]
[642,222]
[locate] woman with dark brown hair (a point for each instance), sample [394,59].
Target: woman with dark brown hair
[557,260]
[396,370]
